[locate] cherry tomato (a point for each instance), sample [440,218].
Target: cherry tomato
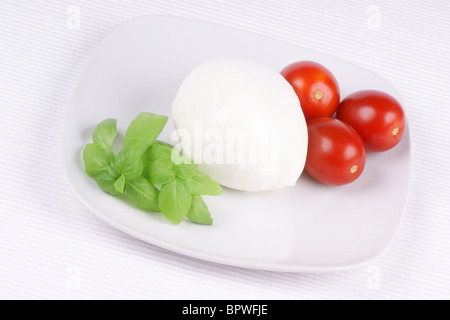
[377,117]
[315,86]
[336,152]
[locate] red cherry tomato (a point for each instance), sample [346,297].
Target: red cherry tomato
[336,152]
[315,86]
[377,117]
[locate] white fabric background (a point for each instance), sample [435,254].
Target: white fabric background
[51,246]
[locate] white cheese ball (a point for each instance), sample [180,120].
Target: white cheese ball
[242,123]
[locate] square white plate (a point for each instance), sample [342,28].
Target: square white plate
[307,228]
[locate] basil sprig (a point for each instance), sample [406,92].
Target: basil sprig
[144,163]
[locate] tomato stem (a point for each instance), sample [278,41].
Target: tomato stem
[318,95]
[395,131]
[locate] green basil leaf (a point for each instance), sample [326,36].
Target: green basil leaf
[143,194]
[99,165]
[119,185]
[105,133]
[178,159]
[160,171]
[186,171]
[106,180]
[99,158]
[144,130]
[158,151]
[175,201]
[96,159]
[130,161]
[199,212]
[201,183]
[163,144]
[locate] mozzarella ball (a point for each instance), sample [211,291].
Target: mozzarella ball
[242,123]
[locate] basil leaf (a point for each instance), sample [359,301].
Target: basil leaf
[175,200]
[186,171]
[199,212]
[144,130]
[160,171]
[99,154]
[105,133]
[96,159]
[106,180]
[99,158]
[158,151]
[130,161]
[201,183]
[163,144]
[99,165]
[143,194]
[119,185]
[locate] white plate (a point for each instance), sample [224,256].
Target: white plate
[307,228]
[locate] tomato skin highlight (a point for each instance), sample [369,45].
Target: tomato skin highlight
[315,86]
[377,116]
[336,153]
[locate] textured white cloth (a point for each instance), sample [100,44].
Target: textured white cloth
[51,246]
